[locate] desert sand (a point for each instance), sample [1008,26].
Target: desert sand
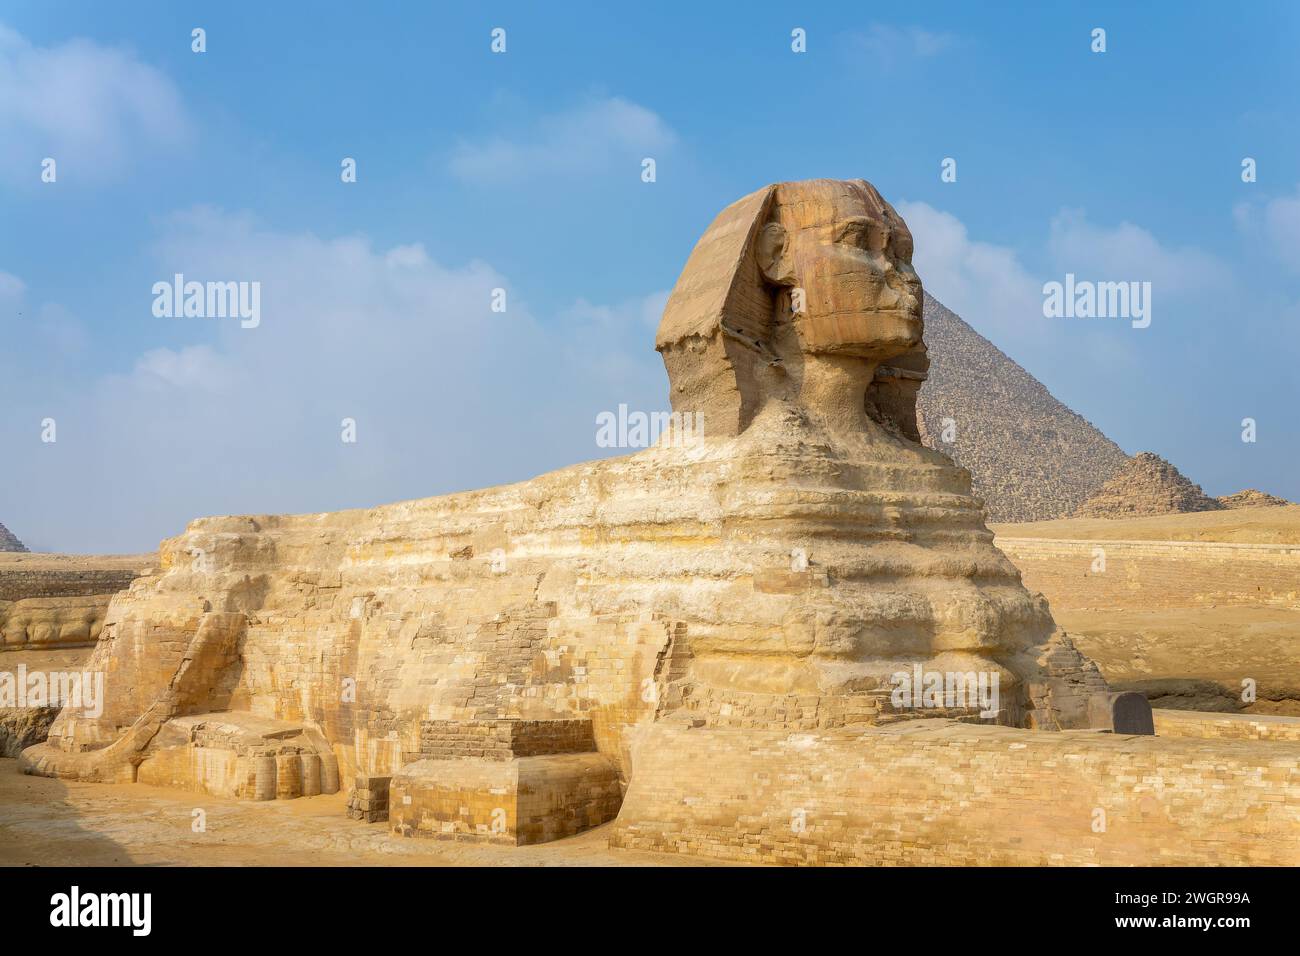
[1186,649]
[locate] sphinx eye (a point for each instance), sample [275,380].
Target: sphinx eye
[863,233]
[877,237]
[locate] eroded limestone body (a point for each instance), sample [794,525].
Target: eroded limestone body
[774,574]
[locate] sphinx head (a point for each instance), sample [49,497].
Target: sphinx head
[802,292]
[843,258]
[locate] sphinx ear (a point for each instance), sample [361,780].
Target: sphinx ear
[771,253]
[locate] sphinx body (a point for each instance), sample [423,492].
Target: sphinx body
[774,573]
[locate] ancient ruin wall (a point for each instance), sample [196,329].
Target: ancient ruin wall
[1190,723]
[938,793]
[1155,574]
[50,601]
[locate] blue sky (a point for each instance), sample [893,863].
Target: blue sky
[522,171]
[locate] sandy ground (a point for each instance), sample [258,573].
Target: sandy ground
[1240,525]
[50,561]
[1196,657]
[46,822]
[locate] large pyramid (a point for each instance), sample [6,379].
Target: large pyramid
[1030,457]
[1148,485]
[8,542]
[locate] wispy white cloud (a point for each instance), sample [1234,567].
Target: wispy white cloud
[594,136]
[981,281]
[887,46]
[1275,222]
[446,393]
[1127,252]
[90,107]
[11,288]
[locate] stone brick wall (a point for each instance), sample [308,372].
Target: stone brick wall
[939,792]
[18,581]
[1190,723]
[504,739]
[519,801]
[1157,574]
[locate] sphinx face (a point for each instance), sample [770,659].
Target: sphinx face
[851,255]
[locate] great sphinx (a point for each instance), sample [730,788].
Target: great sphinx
[773,575]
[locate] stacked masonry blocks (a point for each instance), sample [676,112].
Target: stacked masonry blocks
[504,739]
[368,799]
[505,780]
[935,792]
[1190,723]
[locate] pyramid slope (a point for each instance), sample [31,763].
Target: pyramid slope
[8,542]
[1030,457]
[1148,485]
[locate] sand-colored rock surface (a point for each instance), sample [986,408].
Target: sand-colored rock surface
[1030,457]
[1147,485]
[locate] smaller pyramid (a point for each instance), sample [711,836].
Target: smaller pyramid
[1147,485]
[1252,498]
[8,542]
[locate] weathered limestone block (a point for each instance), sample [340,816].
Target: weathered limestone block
[518,801]
[23,727]
[512,781]
[288,776]
[239,755]
[309,774]
[1158,574]
[52,601]
[50,622]
[368,799]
